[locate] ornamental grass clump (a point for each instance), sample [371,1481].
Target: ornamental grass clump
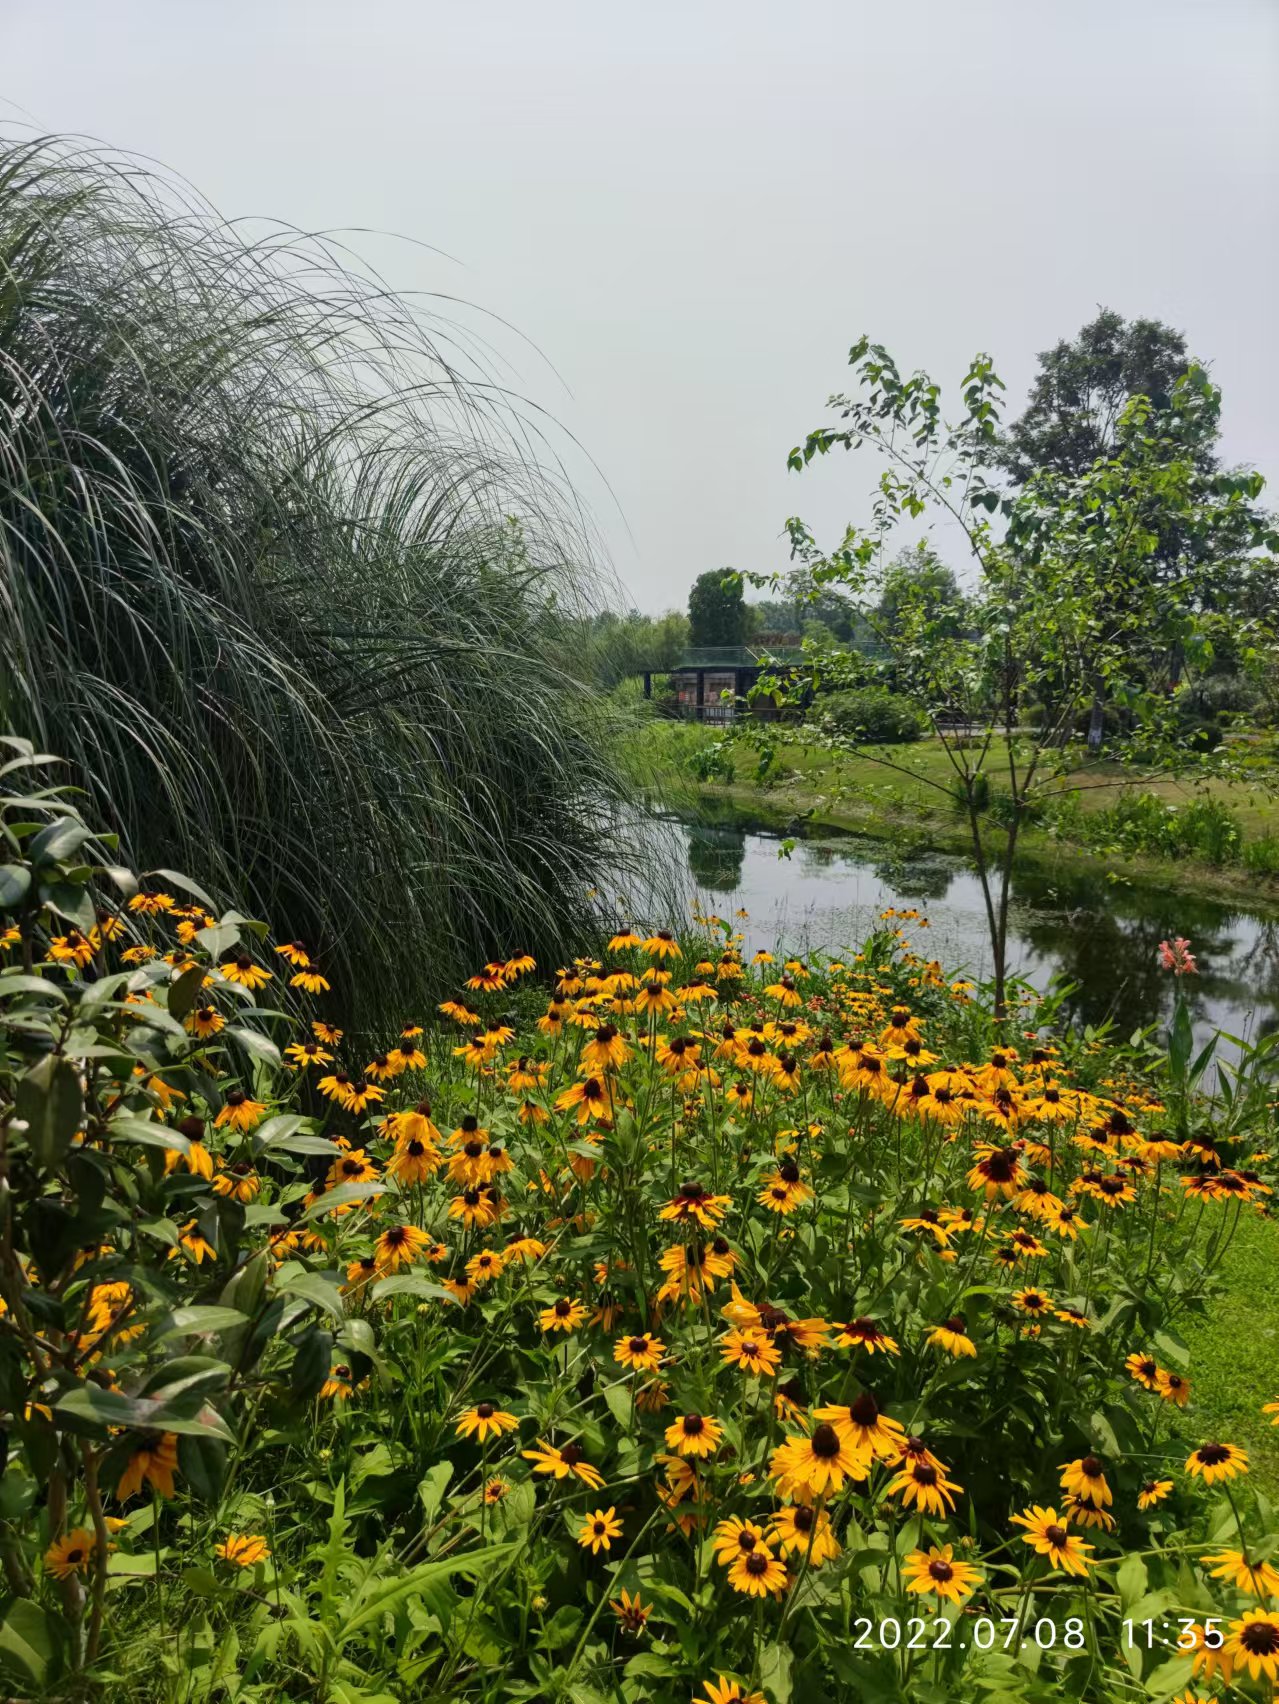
[285,583]
[826,1348]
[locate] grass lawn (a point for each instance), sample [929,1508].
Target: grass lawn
[1235,1352]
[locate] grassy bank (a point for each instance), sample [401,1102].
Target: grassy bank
[807,789]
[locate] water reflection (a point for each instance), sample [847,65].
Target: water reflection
[1101,936]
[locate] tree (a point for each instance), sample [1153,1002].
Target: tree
[1065,607]
[918,581]
[1082,389]
[716,610]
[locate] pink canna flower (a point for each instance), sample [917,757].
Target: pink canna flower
[1177,957]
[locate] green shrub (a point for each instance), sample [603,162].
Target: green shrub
[1261,856]
[260,584]
[872,714]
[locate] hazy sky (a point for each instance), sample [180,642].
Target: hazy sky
[693,209]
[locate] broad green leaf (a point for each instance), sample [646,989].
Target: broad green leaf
[408,1284]
[197,1321]
[148,1132]
[15,884]
[49,1098]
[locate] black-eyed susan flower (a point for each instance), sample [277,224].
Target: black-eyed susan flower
[238,1182]
[590,1098]
[631,1611]
[1172,1387]
[204,1021]
[606,1050]
[475,1208]
[153,1461]
[751,1350]
[997,1171]
[361,1271]
[1085,1479]
[1145,1369]
[1032,1301]
[295,953]
[239,1111]
[1212,1461]
[952,1336]
[758,1574]
[484,1266]
[353,1165]
[1047,1535]
[865,1427]
[784,1190]
[244,972]
[641,1353]
[485,1419]
[936,1573]
[302,1053]
[1254,1644]
[414,1162]
[864,1333]
[242,1549]
[339,1386]
[818,1464]
[925,1487]
[735,1537]
[803,1531]
[726,1691]
[1258,1579]
[568,1460]
[1152,1492]
[696,1205]
[563,1315]
[71,1554]
[694,1434]
[662,945]
[400,1245]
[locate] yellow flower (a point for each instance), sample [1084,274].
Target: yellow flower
[238,1111]
[1216,1461]
[758,1573]
[484,1418]
[1152,1492]
[1254,1643]
[243,1549]
[564,1315]
[936,1572]
[1086,1480]
[726,1691]
[244,972]
[753,1351]
[694,1434]
[565,1461]
[71,1554]
[1046,1533]
[1258,1579]
[598,1530]
[154,1462]
[632,1613]
[802,1531]
[642,1353]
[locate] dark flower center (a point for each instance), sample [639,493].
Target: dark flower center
[485,1410]
[563,1308]
[1056,1536]
[825,1441]
[865,1411]
[939,1569]
[1260,1638]
[803,1520]
[693,1425]
[1000,1165]
[470,1122]
[957,1323]
[606,1033]
[757,1565]
[638,1345]
[746,1540]
[924,1474]
[236,1097]
[1212,1455]
[1090,1467]
[691,1191]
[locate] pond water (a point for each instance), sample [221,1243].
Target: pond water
[1101,936]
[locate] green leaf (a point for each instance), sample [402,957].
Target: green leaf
[59,840]
[67,899]
[408,1284]
[253,1042]
[432,1486]
[28,1637]
[88,1403]
[197,1321]
[289,1132]
[15,884]
[149,1133]
[48,1098]
[14,982]
[184,991]
[317,1287]
[1131,1579]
